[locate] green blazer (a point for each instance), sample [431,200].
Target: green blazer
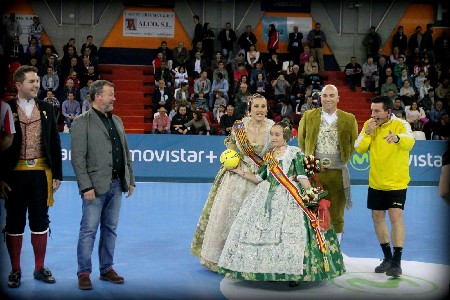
[308,130]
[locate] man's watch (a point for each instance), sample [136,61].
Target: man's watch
[398,139]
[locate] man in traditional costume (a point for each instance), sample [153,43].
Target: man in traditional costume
[329,134]
[31,172]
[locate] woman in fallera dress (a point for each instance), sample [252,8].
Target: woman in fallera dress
[250,137]
[272,237]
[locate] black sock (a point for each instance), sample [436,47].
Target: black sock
[386,250]
[398,254]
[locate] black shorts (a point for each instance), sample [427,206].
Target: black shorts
[383,200]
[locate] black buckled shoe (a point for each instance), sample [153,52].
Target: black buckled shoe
[384,266]
[395,270]
[14,279]
[44,275]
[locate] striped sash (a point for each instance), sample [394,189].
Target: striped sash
[278,173]
[244,143]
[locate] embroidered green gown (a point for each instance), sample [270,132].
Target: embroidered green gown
[272,239]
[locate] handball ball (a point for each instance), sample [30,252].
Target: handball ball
[229,158]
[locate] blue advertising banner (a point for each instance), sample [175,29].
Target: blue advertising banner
[196,159]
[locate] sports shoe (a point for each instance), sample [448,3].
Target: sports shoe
[44,275]
[84,282]
[384,266]
[14,279]
[112,276]
[395,270]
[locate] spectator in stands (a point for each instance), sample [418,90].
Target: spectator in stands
[404,76]
[308,68]
[395,57]
[51,99]
[70,44]
[180,55]
[76,81]
[70,87]
[370,74]
[167,54]
[198,47]
[220,84]
[35,31]
[162,97]
[239,59]
[295,46]
[446,102]
[372,42]
[13,27]
[280,86]
[46,53]
[407,93]
[70,109]
[218,57]
[304,57]
[220,100]
[257,70]
[240,101]
[203,84]
[198,31]
[427,102]
[260,86]
[90,43]
[399,109]
[227,37]
[16,50]
[415,116]
[50,81]
[273,41]
[221,69]
[237,75]
[178,121]
[424,90]
[415,40]
[316,38]
[201,103]
[163,73]
[389,85]
[227,120]
[161,122]
[298,90]
[91,74]
[199,125]
[208,41]
[382,65]
[93,59]
[314,80]
[73,65]
[436,112]
[294,75]
[426,46]
[180,74]
[387,72]
[219,113]
[399,67]
[87,103]
[34,43]
[308,105]
[419,80]
[443,88]
[247,39]
[441,130]
[182,93]
[400,40]
[30,53]
[273,67]
[286,110]
[52,61]
[353,73]
[197,65]
[441,48]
